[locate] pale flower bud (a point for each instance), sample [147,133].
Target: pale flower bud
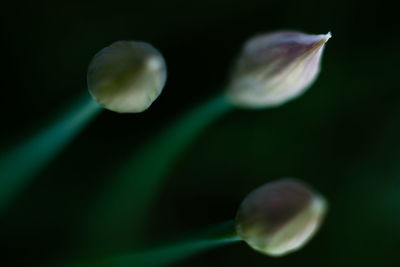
[127,76]
[275,68]
[280,217]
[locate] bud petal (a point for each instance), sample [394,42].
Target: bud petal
[127,76]
[275,68]
[279,217]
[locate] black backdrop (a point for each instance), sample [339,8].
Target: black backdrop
[341,136]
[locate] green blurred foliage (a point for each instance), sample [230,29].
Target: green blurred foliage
[340,137]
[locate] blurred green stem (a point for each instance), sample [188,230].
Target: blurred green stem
[119,215]
[24,161]
[167,254]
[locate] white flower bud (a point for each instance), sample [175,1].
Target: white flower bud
[275,68]
[279,217]
[127,76]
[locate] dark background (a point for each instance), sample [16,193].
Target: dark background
[341,136]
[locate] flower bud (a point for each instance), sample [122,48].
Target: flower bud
[279,217]
[127,76]
[275,68]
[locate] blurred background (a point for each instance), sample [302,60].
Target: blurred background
[341,136]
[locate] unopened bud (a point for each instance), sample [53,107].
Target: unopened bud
[280,217]
[275,68]
[127,76]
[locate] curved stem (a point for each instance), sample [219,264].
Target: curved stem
[122,210]
[213,237]
[24,161]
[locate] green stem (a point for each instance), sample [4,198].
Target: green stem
[216,236]
[119,215]
[24,161]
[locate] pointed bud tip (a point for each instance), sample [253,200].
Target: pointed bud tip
[326,37]
[275,68]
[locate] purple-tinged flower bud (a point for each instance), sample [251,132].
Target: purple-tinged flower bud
[280,217]
[275,68]
[127,76]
